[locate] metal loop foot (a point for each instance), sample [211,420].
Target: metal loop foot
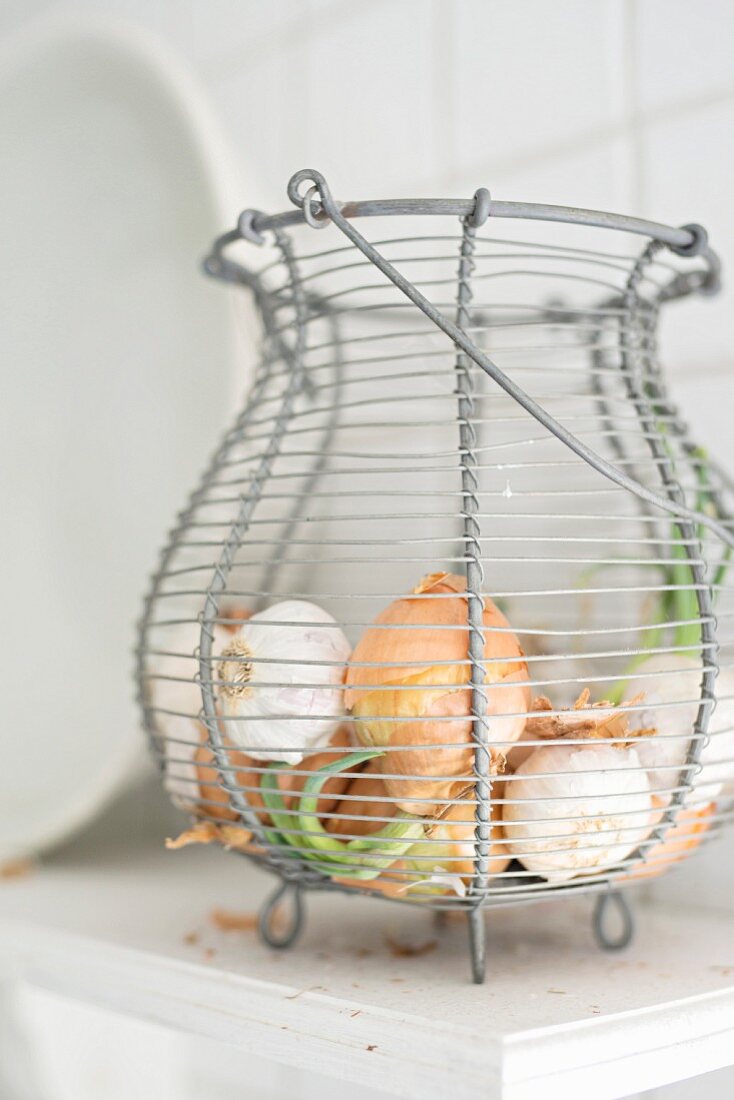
[477,945]
[277,928]
[606,939]
[440,919]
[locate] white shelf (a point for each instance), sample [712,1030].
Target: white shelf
[556,1016]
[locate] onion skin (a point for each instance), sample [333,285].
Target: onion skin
[368,792]
[218,805]
[430,698]
[393,886]
[680,839]
[454,854]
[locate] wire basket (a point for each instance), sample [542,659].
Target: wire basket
[443,620]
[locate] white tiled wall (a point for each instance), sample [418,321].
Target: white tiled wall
[616,104]
[625,104]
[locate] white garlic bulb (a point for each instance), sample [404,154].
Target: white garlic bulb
[280,691]
[174,687]
[672,686]
[577,809]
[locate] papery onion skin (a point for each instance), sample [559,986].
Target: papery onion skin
[426,701]
[674,679]
[606,796]
[679,840]
[585,720]
[278,711]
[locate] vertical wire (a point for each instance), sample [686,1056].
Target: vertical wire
[630,347]
[473,569]
[248,503]
[323,450]
[184,518]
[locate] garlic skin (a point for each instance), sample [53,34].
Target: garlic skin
[577,810]
[279,711]
[669,679]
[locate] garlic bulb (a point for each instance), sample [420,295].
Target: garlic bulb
[174,687]
[672,686]
[280,678]
[575,810]
[407,690]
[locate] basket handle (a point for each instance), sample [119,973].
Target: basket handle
[331,211]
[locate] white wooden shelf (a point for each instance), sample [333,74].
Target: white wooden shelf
[129,928]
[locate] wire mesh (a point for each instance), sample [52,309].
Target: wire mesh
[405,638]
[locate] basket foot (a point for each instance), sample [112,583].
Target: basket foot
[477,945]
[607,939]
[440,919]
[287,903]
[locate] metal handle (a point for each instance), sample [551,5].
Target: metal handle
[461,340]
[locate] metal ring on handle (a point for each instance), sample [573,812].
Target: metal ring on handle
[311,213]
[246,227]
[286,895]
[699,242]
[482,208]
[599,922]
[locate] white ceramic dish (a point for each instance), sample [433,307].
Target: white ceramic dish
[118,363]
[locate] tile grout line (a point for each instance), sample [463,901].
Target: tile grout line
[630,126]
[292,32]
[590,139]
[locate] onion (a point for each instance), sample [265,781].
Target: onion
[407,690]
[368,801]
[679,840]
[577,809]
[249,772]
[445,861]
[441,863]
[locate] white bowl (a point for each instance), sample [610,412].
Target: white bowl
[118,363]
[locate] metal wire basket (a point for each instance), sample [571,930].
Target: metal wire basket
[442,621]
